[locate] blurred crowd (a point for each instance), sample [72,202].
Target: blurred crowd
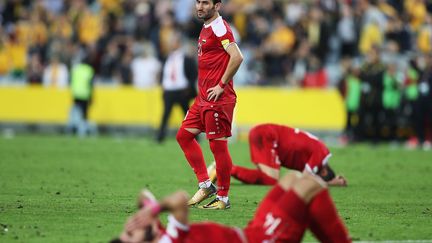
[376,51]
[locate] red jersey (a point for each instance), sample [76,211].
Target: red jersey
[201,232]
[277,145]
[213,60]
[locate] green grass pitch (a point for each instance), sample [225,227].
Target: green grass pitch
[63,189]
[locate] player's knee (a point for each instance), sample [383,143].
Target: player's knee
[218,146]
[288,180]
[183,136]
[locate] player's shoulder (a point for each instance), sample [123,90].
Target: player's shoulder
[220,27]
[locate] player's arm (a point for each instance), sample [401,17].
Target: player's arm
[175,203]
[236,58]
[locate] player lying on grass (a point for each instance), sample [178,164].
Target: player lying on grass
[298,202]
[272,146]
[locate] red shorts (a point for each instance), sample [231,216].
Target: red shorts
[214,120]
[275,219]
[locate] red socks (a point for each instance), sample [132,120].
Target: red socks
[252,176]
[193,153]
[325,222]
[223,165]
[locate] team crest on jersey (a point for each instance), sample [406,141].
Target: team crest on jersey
[204,41]
[199,49]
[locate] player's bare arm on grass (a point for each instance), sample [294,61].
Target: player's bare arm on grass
[175,203]
[236,58]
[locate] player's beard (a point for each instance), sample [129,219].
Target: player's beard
[208,15]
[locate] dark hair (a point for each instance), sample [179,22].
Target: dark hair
[115,240]
[216,1]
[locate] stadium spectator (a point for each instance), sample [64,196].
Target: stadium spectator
[318,33]
[352,93]
[276,49]
[423,106]
[391,98]
[272,146]
[18,56]
[34,69]
[316,75]
[178,82]
[56,74]
[417,13]
[109,64]
[410,96]
[424,41]
[347,30]
[146,68]
[4,56]
[370,112]
[125,71]
[218,60]
[296,203]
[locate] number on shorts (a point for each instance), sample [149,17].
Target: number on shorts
[271,224]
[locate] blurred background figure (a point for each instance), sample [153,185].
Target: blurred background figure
[423,106]
[178,81]
[352,92]
[145,67]
[82,79]
[56,74]
[371,76]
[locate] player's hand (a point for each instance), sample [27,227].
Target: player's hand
[140,220]
[338,181]
[214,93]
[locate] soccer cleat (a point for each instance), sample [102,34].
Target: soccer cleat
[202,194]
[211,171]
[216,204]
[145,196]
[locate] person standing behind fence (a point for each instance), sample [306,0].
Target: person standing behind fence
[56,74]
[178,82]
[82,76]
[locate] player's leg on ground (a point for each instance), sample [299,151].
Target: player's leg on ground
[283,214]
[252,176]
[324,221]
[273,196]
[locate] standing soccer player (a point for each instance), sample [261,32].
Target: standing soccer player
[218,60]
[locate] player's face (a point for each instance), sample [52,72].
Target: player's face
[206,9]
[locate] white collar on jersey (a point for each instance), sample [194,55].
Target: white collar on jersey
[214,22]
